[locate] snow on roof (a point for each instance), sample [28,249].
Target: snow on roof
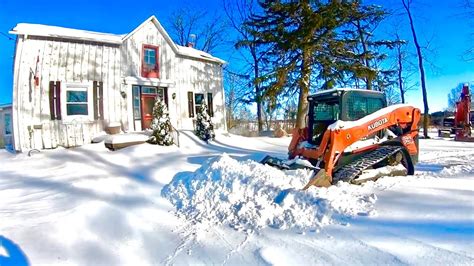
[67,33]
[5,105]
[342,89]
[75,34]
[339,124]
[195,53]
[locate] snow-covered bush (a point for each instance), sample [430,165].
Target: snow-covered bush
[161,124]
[204,127]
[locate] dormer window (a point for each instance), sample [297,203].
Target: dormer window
[150,62]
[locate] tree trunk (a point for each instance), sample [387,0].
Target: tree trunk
[400,71]
[304,90]
[368,81]
[422,70]
[258,92]
[230,113]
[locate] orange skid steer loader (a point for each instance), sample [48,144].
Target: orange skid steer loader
[350,132]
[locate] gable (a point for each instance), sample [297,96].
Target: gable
[177,49]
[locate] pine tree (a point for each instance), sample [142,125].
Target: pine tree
[161,124]
[204,127]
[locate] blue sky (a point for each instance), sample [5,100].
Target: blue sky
[437,21]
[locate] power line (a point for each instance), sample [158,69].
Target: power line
[6,36]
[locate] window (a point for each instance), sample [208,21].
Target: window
[8,124]
[136,102]
[150,61]
[78,101]
[359,106]
[148,90]
[198,100]
[326,112]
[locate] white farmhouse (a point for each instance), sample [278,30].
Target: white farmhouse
[70,84]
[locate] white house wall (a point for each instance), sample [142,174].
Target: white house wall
[178,73]
[131,66]
[200,77]
[118,66]
[132,52]
[68,62]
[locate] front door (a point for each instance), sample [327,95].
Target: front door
[143,102]
[147,110]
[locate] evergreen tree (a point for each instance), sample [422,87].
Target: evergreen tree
[204,127]
[298,32]
[161,124]
[318,44]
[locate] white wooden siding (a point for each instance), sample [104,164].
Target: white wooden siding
[64,61]
[118,67]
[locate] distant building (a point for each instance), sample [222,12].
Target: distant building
[6,130]
[71,84]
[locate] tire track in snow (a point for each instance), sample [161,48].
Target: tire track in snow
[233,250]
[187,234]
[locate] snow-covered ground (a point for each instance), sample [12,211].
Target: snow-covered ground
[148,204]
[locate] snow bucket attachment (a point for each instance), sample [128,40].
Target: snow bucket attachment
[275,162]
[321,179]
[285,164]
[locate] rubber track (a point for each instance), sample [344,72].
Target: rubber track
[350,171]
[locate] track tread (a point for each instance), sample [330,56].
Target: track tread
[350,171]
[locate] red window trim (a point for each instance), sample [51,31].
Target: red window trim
[156,69]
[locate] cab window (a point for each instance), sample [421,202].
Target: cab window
[358,106]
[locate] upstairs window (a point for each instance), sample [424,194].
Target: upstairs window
[150,62]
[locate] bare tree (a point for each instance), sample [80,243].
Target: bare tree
[400,57]
[403,65]
[235,85]
[407,6]
[190,25]
[468,6]
[239,11]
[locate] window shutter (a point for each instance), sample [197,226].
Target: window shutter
[190,104]
[210,107]
[157,61]
[58,100]
[52,106]
[98,100]
[144,70]
[101,100]
[165,96]
[95,98]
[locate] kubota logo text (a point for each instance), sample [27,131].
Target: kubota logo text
[377,123]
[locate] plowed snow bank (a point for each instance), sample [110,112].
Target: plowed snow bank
[249,195]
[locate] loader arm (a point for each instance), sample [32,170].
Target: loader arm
[342,134]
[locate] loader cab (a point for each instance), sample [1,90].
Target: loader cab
[326,107]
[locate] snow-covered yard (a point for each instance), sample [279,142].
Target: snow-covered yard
[92,206]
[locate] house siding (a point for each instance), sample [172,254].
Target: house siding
[118,66]
[68,62]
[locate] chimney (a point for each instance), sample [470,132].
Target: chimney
[192,39]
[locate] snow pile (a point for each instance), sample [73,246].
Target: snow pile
[248,195]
